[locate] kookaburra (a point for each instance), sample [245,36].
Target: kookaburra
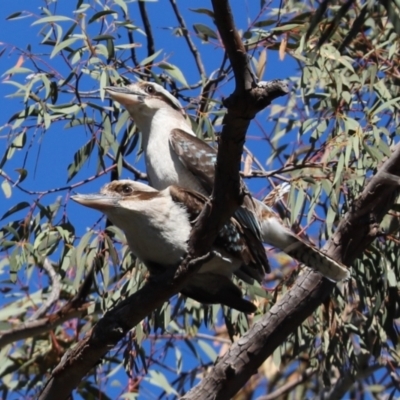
[175,156]
[157,226]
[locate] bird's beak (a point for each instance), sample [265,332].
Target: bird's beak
[124,95]
[97,201]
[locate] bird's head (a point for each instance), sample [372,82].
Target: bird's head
[117,196]
[144,98]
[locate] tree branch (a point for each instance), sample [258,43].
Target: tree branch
[242,106]
[189,41]
[246,101]
[115,324]
[40,326]
[289,385]
[355,232]
[75,308]
[147,29]
[54,294]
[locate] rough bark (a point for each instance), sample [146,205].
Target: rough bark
[355,232]
[246,355]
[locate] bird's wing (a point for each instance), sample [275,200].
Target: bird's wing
[193,201]
[196,155]
[200,158]
[235,238]
[209,288]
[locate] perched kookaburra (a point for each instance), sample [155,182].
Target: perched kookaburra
[157,226]
[175,156]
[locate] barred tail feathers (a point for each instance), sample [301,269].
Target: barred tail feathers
[277,235]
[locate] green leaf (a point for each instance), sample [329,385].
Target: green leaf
[149,59]
[123,5]
[113,254]
[53,18]
[62,45]
[101,14]
[175,72]
[296,203]
[17,70]
[339,170]
[103,37]
[80,158]
[14,15]
[5,185]
[103,83]
[284,28]
[16,208]
[211,354]
[23,173]
[158,379]
[79,122]
[386,104]
[66,108]
[372,151]
[204,32]
[205,11]
[20,140]
[262,24]
[46,242]
[261,64]
[53,92]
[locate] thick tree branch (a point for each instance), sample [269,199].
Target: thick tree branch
[247,99]
[233,45]
[359,228]
[115,324]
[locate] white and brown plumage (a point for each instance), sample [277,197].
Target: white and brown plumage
[157,226]
[175,156]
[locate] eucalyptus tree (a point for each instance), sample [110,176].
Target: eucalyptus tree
[79,312]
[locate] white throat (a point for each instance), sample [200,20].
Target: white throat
[156,230]
[162,164]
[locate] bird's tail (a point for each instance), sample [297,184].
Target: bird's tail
[316,259]
[276,234]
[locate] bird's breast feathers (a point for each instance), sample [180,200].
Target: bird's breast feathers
[164,171]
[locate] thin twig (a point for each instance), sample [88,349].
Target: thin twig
[54,294]
[287,387]
[40,326]
[147,29]
[59,189]
[189,41]
[138,174]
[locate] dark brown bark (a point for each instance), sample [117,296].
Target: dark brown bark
[246,355]
[355,232]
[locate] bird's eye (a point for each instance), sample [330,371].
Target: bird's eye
[126,189]
[149,89]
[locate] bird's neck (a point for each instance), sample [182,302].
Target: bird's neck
[162,164]
[156,229]
[156,125]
